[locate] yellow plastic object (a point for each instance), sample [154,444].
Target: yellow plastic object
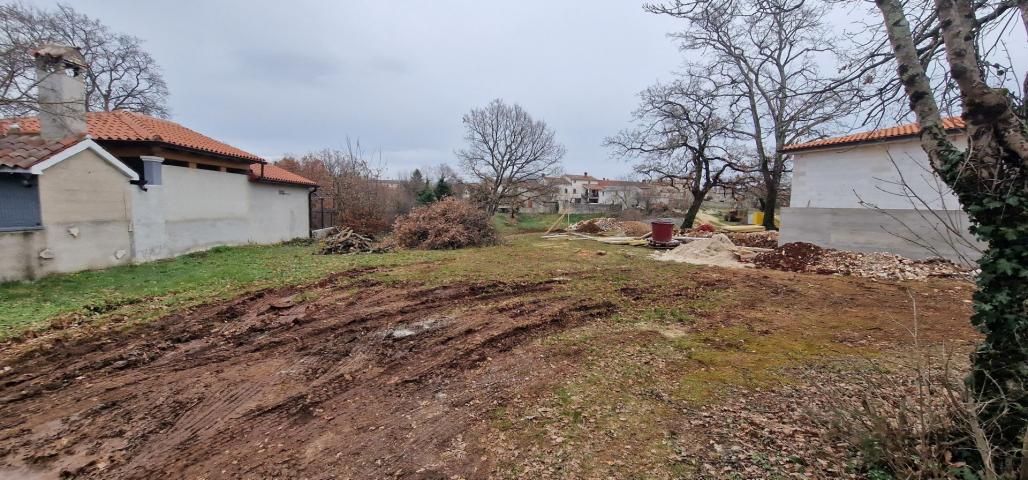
[758,218]
[743,228]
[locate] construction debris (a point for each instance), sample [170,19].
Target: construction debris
[717,250]
[759,239]
[346,241]
[632,228]
[595,226]
[810,258]
[586,226]
[762,239]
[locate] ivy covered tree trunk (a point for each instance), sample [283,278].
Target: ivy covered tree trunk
[990,177]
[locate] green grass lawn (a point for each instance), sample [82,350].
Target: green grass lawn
[153,289]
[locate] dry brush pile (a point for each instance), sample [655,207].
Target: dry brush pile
[447,224]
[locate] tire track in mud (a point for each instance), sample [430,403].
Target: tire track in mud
[346,376]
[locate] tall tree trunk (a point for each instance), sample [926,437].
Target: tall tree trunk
[991,181]
[770,204]
[690,214]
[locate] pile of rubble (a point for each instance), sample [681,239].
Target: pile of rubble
[768,239]
[806,257]
[632,228]
[345,241]
[595,225]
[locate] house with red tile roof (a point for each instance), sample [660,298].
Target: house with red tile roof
[876,191]
[90,190]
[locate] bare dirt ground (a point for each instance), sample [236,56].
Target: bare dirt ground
[356,377]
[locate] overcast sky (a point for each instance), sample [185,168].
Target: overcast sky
[278,77]
[288,77]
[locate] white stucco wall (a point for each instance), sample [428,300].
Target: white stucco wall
[84,203]
[841,177]
[205,208]
[278,213]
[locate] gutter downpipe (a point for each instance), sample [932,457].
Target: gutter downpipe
[310,202]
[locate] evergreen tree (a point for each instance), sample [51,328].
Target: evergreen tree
[442,189]
[426,197]
[414,183]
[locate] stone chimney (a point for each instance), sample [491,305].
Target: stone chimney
[61,91]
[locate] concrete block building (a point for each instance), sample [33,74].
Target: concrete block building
[875,191]
[83,191]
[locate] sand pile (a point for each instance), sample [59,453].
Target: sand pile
[717,250]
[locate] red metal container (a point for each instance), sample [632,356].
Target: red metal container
[662,230]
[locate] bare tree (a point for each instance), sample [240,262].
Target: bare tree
[990,178]
[682,135]
[350,180]
[763,55]
[508,153]
[121,74]
[869,58]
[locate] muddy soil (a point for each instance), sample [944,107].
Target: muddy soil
[347,378]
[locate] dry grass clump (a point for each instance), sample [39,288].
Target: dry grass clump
[914,418]
[447,224]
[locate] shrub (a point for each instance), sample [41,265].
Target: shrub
[446,224]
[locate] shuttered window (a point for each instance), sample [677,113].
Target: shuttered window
[19,202]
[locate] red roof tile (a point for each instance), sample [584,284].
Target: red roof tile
[604,184]
[277,174]
[22,151]
[899,131]
[121,125]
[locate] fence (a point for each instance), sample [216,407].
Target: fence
[322,216]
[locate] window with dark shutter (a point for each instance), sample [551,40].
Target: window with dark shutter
[19,202]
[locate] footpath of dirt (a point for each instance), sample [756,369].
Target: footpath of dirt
[347,376]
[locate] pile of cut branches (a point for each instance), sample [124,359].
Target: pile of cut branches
[345,241]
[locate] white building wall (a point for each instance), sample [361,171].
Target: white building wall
[84,204]
[840,178]
[278,213]
[829,185]
[205,208]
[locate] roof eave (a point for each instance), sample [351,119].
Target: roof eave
[195,151]
[256,179]
[856,143]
